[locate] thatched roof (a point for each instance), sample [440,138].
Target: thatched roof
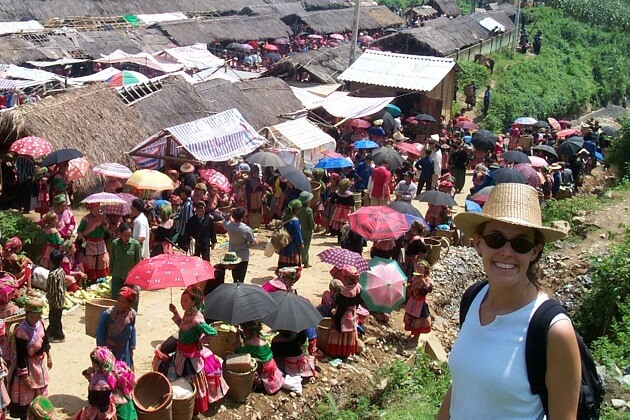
[238,28]
[324,64]
[93,120]
[17,50]
[330,21]
[446,7]
[278,10]
[12,10]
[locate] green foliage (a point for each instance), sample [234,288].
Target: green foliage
[472,73]
[618,153]
[602,12]
[14,224]
[567,209]
[613,348]
[605,309]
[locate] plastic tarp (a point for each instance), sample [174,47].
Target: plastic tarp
[303,135]
[141,59]
[492,25]
[11,85]
[101,76]
[60,62]
[17,27]
[216,138]
[339,104]
[194,56]
[161,17]
[225,73]
[17,72]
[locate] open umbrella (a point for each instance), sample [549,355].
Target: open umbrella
[265,159]
[411,219]
[554,124]
[169,270]
[515,156]
[393,109]
[77,168]
[112,169]
[338,37]
[425,117]
[541,124]
[340,258]
[577,140]
[390,30]
[411,120]
[333,163]
[331,153]
[505,175]
[359,123]
[467,125]
[281,41]
[247,47]
[376,131]
[609,131]
[530,174]
[59,156]
[526,121]
[270,47]
[437,198]
[378,222]
[295,177]
[383,286]
[481,196]
[388,154]
[234,46]
[565,123]
[148,179]
[117,209]
[364,144]
[410,148]
[103,198]
[295,313]
[546,149]
[126,77]
[568,148]
[404,208]
[236,303]
[538,162]
[473,207]
[31,146]
[315,36]
[484,140]
[127,197]
[365,39]
[568,132]
[216,178]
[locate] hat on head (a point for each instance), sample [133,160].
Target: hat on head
[494,166]
[399,136]
[295,205]
[230,258]
[35,306]
[555,167]
[41,408]
[435,137]
[128,293]
[60,198]
[583,152]
[515,204]
[244,166]
[378,122]
[305,197]
[201,186]
[187,168]
[292,273]
[232,162]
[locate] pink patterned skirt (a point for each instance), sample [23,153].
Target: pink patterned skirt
[340,216]
[271,377]
[303,366]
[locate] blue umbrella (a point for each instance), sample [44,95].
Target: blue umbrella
[394,110]
[599,156]
[333,163]
[410,219]
[376,131]
[365,144]
[473,207]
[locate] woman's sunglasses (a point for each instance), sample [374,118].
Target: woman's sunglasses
[497,240]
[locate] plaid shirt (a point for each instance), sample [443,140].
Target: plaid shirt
[56,293]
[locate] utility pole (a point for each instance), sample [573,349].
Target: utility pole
[355,30]
[517,31]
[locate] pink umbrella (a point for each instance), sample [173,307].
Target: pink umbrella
[366,39]
[359,123]
[215,178]
[338,37]
[117,209]
[77,168]
[31,146]
[410,148]
[468,125]
[340,257]
[112,169]
[563,134]
[330,153]
[103,198]
[127,197]
[247,47]
[530,174]
[270,47]
[383,286]
[315,36]
[554,124]
[538,162]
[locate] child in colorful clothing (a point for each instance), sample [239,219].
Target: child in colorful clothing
[417,318]
[344,339]
[51,236]
[287,277]
[125,381]
[268,375]
[73,268]
[92,231]
[29,371]
[102,384]
[20,266]
[189,361]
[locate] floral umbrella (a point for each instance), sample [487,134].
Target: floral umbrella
[216,178]
[114,170]
[383,285]
[340,257]
[31,146]
[378,222]
[103,198]
[77,168]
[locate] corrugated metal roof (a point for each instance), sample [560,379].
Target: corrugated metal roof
[400,71]
[301,134]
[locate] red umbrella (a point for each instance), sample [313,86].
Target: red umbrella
[564,123]
[31,146]
[338,37]
[378,222]
[410,148]
[411,120]
[169,270]
[270,47]
[554,124]
[215,178]
[77,168]
[468,125]
[563,134]
[359,123]
[529,173]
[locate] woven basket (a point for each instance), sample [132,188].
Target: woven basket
[224,342]
[255,220]
[323,332]
[153,397]
[93,310]
[184,409]
[13,319]
[240,384]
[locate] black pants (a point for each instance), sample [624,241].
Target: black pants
[202,250]
[238,272]
[24,193]
[55,329]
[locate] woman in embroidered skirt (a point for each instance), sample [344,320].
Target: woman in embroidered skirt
[343,200]
[327,193]
[92,231]
[287,351]
[51,236]
[190,361]
[28,375]
[117,327]
[289,256]
[268,375]
[101,404]
[344,340]
[19,265]
[417,318]
[43,197]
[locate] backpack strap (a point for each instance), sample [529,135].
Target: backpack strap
[467,299]
[536,348]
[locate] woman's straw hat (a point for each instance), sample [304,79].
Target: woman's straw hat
[516,204]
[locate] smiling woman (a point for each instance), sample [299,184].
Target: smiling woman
[488,361]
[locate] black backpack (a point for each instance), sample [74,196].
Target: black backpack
[591,389]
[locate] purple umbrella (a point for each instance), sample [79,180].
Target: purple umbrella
[103,198]
[247,47]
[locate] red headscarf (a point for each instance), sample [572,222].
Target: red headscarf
[128,293]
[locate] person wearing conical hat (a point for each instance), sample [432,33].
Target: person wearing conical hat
[488,360]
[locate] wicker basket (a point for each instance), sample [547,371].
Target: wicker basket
[93,310]
[323,332]
[184,409]
[255,220]
[153,397]
[13,319]
[225,342]
[240,384]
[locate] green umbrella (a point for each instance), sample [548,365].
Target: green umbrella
[384,285]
